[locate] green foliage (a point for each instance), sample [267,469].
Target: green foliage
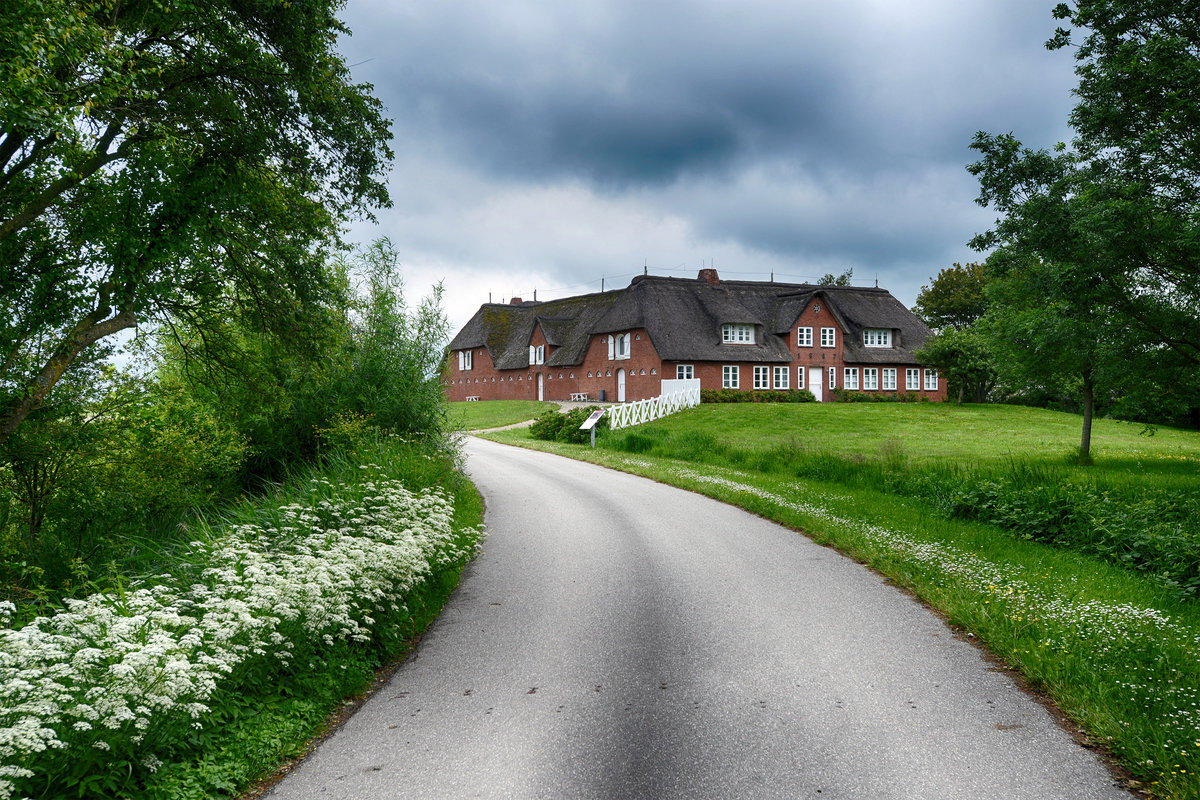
[853,396]
[829,279]
[964,358]
[557,426]
[1113,219]
[757,396]
[955,298]
[168,163]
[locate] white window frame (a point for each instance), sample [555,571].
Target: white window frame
[870,379]
[781,377]
[931,380]
[912,379]
[685,372]
[737,333]
[877,337]
[800,377]
[762,377]
[889,379]
[612,346]
[832,377]
[850,378]
[541,354]
[623,346]
[532,355]
[729,377]
[465,359]
[828,337]
[804,337]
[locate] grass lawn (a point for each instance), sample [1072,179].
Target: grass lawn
[481,415]
[1117,649]
[969,434]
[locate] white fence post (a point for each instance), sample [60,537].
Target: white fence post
[676,396]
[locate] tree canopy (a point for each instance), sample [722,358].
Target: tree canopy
[165,162]
[956,298]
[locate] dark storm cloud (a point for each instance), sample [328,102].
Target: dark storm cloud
[530,133]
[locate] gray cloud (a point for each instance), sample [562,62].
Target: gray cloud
[531,134]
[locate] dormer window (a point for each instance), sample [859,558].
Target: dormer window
[618,346]
[738,333]
[464,359]
[877,337]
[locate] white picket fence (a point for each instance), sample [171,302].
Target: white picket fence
[676,396]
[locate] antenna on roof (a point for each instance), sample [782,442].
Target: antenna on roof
[876,280]
[602,283]
[645,268]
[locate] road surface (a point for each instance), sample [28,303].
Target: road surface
[619,638]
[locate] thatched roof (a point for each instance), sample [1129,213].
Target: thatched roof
[683,318]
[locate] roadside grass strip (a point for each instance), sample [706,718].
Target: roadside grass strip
[95,698]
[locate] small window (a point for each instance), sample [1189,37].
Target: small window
[781,377]
[870,378]
[804,337]
[799,377]
[762,377]
[643,372]
[653,371]
[589,373]
[877,337]
[912,380]
[889,379]
[541,354]
[729,377]
[828,337]
[622,346]
[684,372]
[833,377]
[850,378]
[931,380]
[737,334]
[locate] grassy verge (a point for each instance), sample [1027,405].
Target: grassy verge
[1118,651]
[478,416]
[197,680]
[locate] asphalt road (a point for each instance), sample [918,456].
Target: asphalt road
[623,639]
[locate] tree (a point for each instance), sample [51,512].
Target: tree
[829,279]
[1125,198]
[956,298]
[964,358]
[167,163]
[1050,333]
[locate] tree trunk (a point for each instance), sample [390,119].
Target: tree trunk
[1089,402]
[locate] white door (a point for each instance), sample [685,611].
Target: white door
[540,392]
[620,386]
[816,382]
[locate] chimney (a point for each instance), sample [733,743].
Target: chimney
[709,276]
[516,301]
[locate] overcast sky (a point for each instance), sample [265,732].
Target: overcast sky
[545,145]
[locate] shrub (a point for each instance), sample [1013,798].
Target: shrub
[756,396]
[556,426]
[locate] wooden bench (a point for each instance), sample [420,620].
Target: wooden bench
[579,396]
[474,399]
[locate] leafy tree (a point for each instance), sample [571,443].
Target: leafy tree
[829,279]
[964,357]
[956,298]
[170,162]
[1125,198]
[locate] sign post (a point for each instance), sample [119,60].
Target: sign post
[589,424]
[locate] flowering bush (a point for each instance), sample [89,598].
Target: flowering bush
[97,693]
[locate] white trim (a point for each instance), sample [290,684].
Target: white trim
[828,337]
[729,377]
[781,375]
[804,336]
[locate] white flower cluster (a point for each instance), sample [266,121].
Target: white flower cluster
[107,670]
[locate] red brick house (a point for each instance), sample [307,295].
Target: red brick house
[618,346]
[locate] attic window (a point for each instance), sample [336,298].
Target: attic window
[816,308]
[877,337]
[739,333]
